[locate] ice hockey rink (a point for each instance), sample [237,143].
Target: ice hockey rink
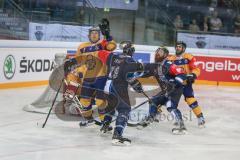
[22,138]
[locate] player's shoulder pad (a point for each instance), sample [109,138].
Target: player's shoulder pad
[111,45]
[129,59]
[103,55]
[115,53]
[168,62]
[171,57]
[84,44]
[187,56]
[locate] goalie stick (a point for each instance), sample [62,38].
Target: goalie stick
[45,122]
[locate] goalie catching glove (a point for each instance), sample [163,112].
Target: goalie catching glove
[69,65]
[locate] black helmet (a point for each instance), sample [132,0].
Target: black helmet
[181,43]
[127,47]
[184,46]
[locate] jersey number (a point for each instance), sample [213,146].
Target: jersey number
[114,72]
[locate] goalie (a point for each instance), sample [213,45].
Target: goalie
[85,84]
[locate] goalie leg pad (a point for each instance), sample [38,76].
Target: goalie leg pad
[72,89]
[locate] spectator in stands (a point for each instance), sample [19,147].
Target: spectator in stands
[205,23]
[19,3]
[237,24]
[214,3]
[227,4]
[42,4]
[178,23]
[215,22]
[193,27]
[1,4]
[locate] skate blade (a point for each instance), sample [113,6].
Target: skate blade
[201,126]
[140,127]
[83,126]
[88,125]
[116,142]
[102,133]
[179,132]
[176,124]
[143,125]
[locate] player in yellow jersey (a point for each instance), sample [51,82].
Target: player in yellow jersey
[85,84]
[95,43]
[93,83]
[188,63]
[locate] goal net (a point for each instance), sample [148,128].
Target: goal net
[44,102]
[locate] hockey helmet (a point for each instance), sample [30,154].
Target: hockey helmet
[161,53]
[94,34]
[127,47]
[180,47]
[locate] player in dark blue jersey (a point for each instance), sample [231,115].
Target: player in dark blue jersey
[121,71]
[169,76]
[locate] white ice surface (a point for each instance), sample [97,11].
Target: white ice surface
[22,139]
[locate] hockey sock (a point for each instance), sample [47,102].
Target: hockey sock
[153,110]
[121,123]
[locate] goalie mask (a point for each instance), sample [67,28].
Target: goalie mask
[127,47]
[94,34]
[180,47]
[160,54]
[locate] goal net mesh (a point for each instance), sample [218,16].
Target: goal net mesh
[44,102]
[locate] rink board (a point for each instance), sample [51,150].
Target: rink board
[30,63]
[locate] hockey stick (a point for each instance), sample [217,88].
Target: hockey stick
[162,93]
[149,99]
[52,105]
[151,102]
[134,108]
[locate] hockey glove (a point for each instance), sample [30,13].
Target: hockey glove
[136,85]
[69,65]
[105,29]
[180,80]
[191,78]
